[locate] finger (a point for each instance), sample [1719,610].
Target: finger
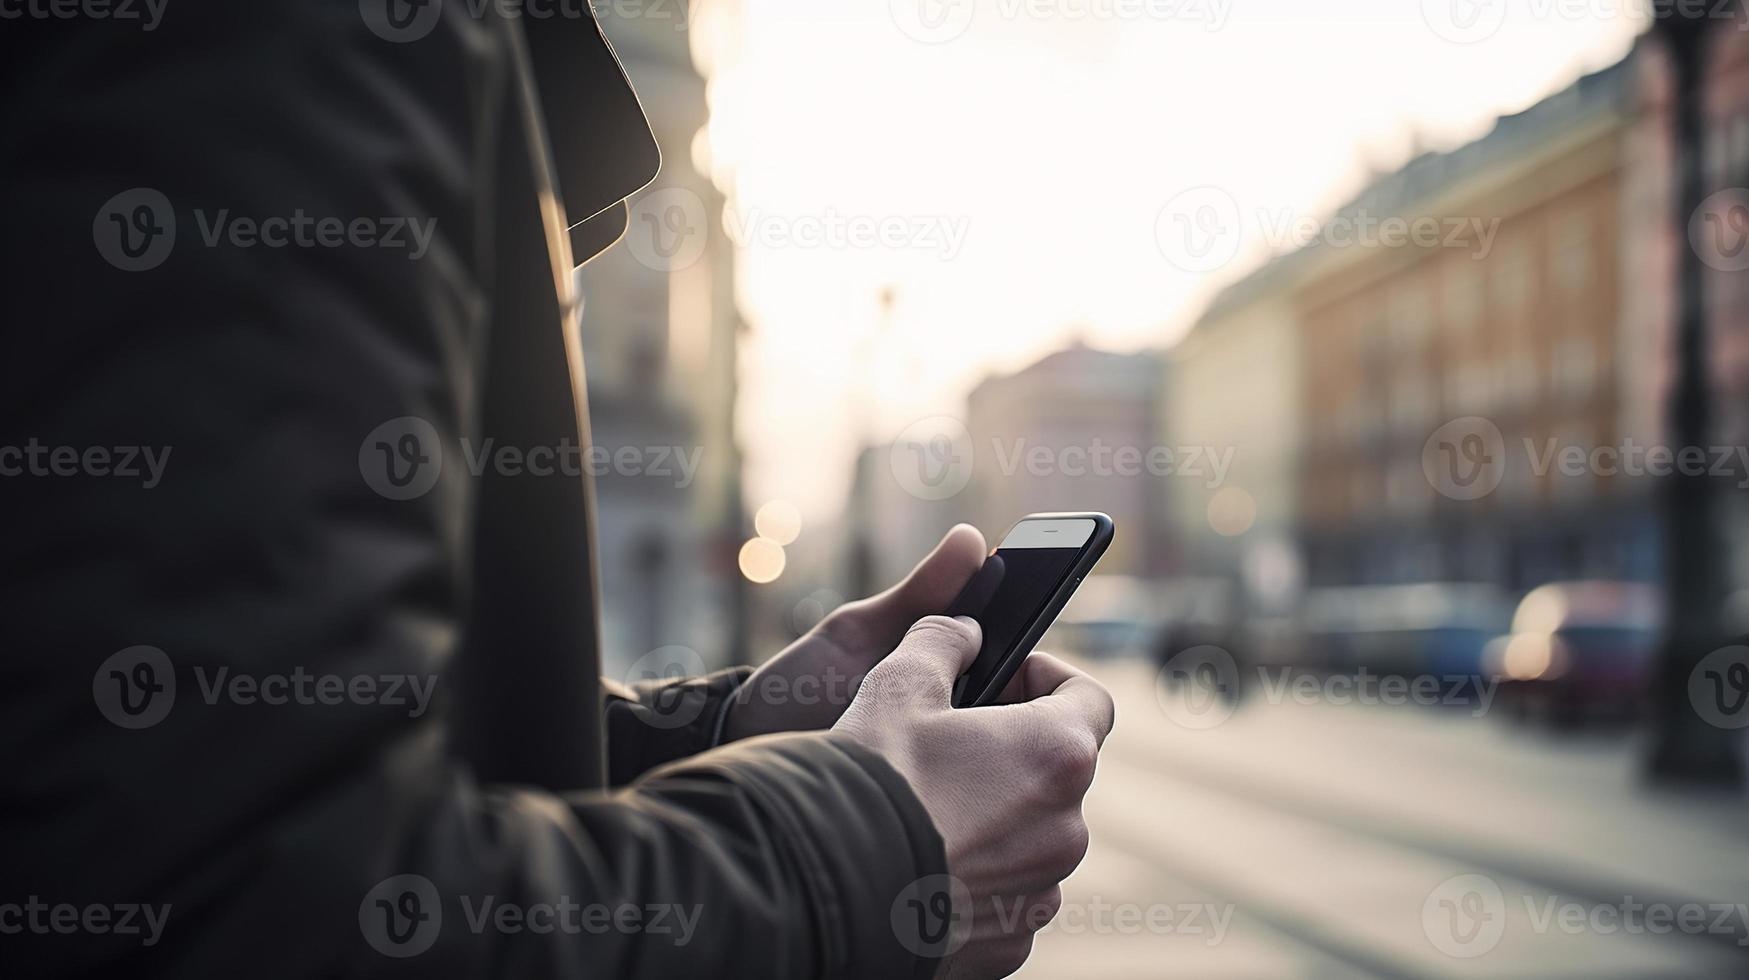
[1073,696]
[881,619]
[1039,675]
[935,652]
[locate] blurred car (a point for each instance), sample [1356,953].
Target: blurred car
[1578,650]
[1439,628]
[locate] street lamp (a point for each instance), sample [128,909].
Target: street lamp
[1685,748]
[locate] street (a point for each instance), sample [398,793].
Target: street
[1299,839]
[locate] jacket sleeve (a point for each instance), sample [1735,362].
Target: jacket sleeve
[652,722]
[278,781]
[780,857]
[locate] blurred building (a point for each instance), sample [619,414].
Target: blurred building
[1074,432]
[660,332]
[1235,387]
[887,528]
[1515,316]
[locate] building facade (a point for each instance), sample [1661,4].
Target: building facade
[1235,388]
[1073,432]
[1504,338]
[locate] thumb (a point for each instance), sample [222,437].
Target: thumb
[927,591]
[934,653]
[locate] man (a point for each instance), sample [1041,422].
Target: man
[288,689]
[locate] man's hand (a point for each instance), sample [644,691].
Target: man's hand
[808,685]
[1003,783]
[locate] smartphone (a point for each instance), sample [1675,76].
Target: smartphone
[1020,589]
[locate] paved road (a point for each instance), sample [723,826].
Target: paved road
[1307,839]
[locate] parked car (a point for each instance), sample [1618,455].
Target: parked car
[1438,628]
[1578,650]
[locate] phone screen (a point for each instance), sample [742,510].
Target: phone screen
[1014,586]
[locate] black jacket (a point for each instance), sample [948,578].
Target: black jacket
[148,622]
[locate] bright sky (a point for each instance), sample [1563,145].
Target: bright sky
[1019,167]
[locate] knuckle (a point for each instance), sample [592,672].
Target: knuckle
[1073,845]
[1069,760]
[943,629]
